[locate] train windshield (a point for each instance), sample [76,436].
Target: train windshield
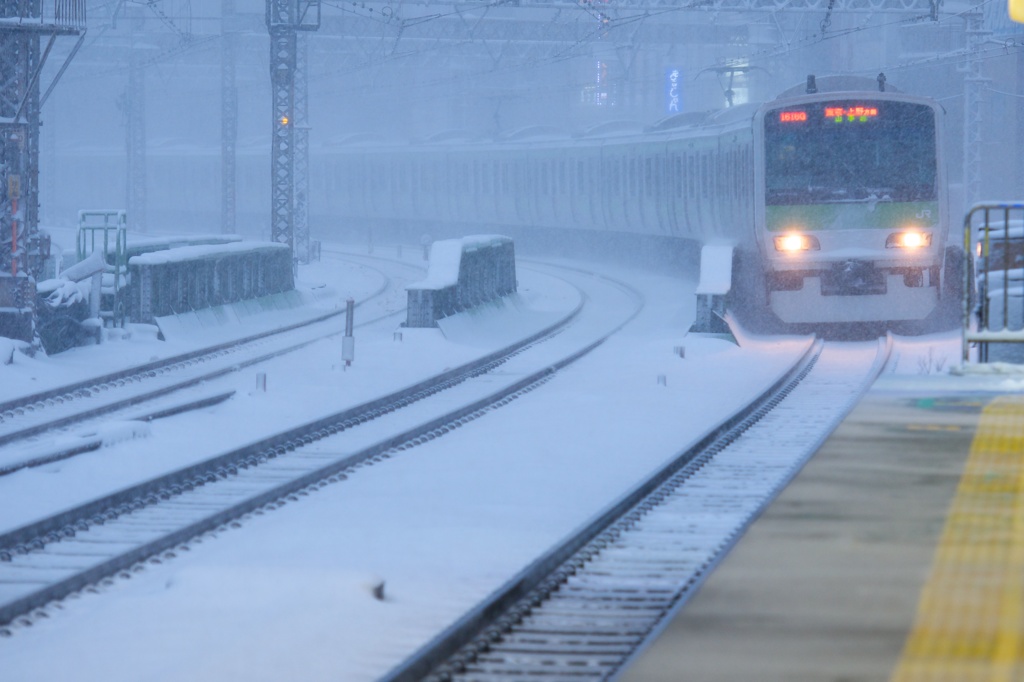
[850,152]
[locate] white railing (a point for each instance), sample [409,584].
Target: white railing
[67,14]
[994,238]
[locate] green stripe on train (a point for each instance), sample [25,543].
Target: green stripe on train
[853,216]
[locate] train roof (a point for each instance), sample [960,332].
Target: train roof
[829,84]
[538,132]
[614,128]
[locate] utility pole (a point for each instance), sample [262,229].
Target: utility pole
[285,18]
[135,141]
[228,118]
[23,249]
[974,85]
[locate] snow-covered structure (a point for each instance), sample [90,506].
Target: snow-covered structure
[463,273]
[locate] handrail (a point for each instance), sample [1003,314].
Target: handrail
[997,246]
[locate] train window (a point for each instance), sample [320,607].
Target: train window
[733,176]
[750,170]
[632,177]
[691,175]
[677,179]
[725,174]
[649,177]
[889,153]
[703,175]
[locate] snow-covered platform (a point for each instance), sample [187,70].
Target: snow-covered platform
[895,554]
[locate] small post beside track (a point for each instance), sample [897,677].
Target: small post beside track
[348,343]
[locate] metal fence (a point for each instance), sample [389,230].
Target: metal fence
[994,234]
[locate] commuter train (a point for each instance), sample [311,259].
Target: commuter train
[829,202]
[825,205]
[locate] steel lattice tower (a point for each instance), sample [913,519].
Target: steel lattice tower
[285,18]
[301,225]
[23,249]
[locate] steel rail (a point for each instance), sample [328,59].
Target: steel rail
[34,538]
[470,645]
[98,385]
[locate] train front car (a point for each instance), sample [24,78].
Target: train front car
[850,207]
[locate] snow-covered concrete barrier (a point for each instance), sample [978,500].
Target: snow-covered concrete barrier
[463,273]
[180,280]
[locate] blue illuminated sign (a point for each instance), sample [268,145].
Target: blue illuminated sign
[673,91]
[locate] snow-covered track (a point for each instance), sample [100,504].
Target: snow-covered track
[581,610]
[59,555]
[69,404]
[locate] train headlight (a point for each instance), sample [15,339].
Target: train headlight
[908,240]
[792,243]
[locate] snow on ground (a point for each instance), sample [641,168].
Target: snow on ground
[288,594]
[323,287]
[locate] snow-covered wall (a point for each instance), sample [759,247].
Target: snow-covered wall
[194,277]
[463,273]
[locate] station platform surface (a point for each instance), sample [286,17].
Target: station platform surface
[896,554]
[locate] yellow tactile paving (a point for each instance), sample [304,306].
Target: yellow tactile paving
[970,616]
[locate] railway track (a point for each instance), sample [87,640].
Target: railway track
[583,609]
[56,408]
[59,555]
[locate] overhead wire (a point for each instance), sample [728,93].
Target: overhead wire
[381,56]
